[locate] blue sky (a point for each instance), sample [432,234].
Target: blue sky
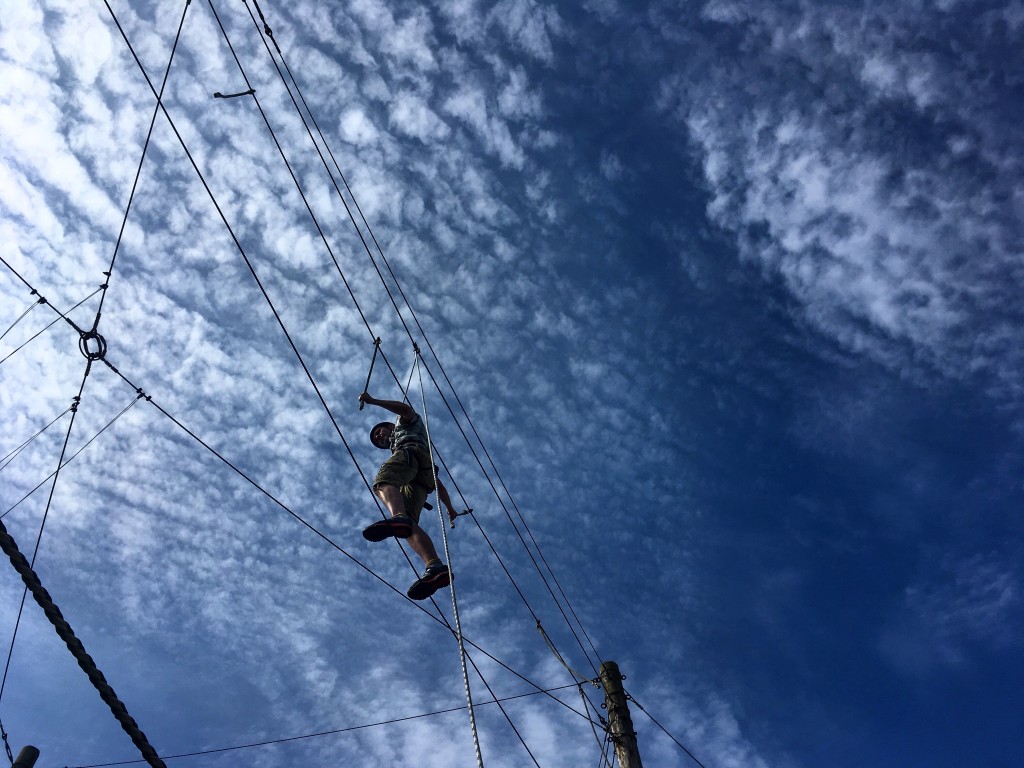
[730,294]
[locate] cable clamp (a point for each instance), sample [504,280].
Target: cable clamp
[219,95]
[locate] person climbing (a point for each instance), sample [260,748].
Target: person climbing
[403,483]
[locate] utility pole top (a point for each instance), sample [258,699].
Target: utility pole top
[620,724]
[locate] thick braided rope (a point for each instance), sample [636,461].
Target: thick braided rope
[85,661]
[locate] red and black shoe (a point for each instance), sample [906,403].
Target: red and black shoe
[436,576]
[398,526]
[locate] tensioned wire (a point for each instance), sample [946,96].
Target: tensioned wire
[332,732]
[22,316]
[233,236]
[268,33]
[63,315]
[14,452]
[140,394]
[438,619]
[42,524]
[121,715]
[213,199]
[25,343]
[238,244]
[74,455]
[330,251]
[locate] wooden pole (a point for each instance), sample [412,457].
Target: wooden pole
[26,758]
[620,724]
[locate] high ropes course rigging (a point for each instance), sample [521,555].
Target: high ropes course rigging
[92,346]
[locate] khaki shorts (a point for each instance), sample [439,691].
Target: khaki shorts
[409,470]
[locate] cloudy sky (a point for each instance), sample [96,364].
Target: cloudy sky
[719,312]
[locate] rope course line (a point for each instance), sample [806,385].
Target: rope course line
[42,525]
[332,732]
[437,619]
[337,265]
[252,270]
[7,746]
[408,304]
[73,456]
[22,316]
[161,107]
[48,327]
[448,559]
[237,242]
[423,333]
[398,311]
[63,315]
[14,453]
[138,171]
[85,661]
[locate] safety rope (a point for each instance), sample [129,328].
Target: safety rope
[448,560]
[85,661]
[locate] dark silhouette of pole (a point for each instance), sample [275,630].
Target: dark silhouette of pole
[26,758]
[620,724]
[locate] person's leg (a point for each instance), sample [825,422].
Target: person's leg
[392,498]
[422,545]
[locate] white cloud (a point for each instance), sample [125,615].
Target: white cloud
[868,228]
[357,128]
[411,115]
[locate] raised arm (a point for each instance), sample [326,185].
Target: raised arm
[403,410]
[442,494]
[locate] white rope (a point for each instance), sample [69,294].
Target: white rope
[448,560]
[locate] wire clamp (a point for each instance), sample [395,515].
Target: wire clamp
[219,95]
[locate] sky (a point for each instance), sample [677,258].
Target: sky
[718,315]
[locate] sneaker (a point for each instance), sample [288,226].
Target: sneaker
[398,526]
[436,576]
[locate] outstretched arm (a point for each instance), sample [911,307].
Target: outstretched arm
[402,410]
[442,494]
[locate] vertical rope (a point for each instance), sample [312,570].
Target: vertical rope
[448,560]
